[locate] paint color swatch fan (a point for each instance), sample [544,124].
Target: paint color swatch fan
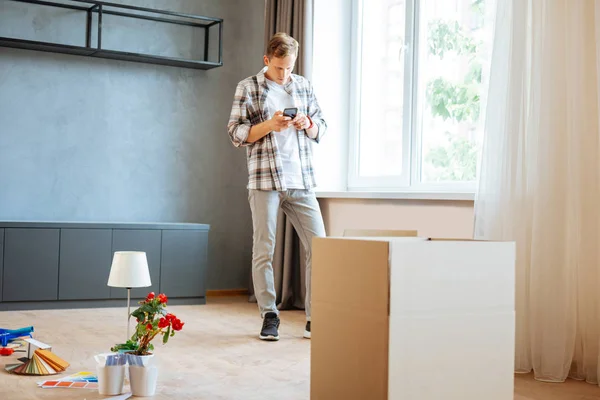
[43,362]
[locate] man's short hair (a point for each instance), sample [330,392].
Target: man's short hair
[282,45]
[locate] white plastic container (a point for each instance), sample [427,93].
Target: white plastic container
[111,379]
[143,380]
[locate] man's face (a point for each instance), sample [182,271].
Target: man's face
[280,69]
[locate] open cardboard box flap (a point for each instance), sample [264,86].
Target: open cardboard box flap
[378,232]
[350,302]
[350,306]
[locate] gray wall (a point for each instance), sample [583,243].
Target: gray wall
[85,139]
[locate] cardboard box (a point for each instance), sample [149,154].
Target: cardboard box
[410,318]
[378,233]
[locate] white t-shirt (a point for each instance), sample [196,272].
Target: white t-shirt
[287,140]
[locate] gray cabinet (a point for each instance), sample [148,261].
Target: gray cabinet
[1,260]
[30,264]
[182,260]
[139,240]
[85,258]
[67,264]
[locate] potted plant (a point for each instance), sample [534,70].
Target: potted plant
[152,320]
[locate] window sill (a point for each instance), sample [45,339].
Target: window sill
[398,195]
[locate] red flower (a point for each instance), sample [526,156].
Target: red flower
[162,298]
[177,325]
[170,317]
[149,327]
[163,323]
[150,296]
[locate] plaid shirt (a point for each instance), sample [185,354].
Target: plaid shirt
[249,108]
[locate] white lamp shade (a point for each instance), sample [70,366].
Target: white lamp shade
[129,269]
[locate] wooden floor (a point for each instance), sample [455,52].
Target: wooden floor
[526,388]
[216,356]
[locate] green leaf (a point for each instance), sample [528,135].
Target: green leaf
[448,100]
[449,36]
[127,346]
[166,334]
[138,314]
[140,330]
[478,6]
[148,308]
[455,161]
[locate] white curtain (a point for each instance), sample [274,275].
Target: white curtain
[539,179]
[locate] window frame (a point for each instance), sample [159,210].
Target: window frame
[410,179]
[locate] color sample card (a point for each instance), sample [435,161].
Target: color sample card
[80,380]
[43,362]
[11,367]
[69,385]
[83,376]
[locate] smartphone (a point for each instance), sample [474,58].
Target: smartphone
[290,112]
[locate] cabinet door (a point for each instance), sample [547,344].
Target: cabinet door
[1,260]
[139,240]
[183,266]
[85,258]
[30,264]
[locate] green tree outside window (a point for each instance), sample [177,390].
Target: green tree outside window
[456,101]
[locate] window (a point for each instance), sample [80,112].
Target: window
[417,96]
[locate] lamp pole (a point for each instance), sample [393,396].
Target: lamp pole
[128,311]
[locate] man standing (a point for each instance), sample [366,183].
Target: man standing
[279,165]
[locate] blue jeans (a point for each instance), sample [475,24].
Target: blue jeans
[302,208]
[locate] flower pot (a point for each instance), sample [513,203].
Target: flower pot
[141,361]
[142,380]
[110,379]
[153,321]
[143,374]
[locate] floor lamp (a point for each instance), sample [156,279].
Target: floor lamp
[129,269]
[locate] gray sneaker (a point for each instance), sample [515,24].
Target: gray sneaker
[269,328]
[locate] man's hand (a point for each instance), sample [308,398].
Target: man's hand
[280,122]
[301,121]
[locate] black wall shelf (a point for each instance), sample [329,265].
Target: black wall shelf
[95,10]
